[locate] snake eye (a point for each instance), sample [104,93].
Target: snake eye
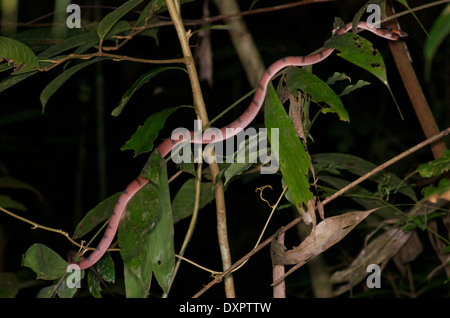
[400,33]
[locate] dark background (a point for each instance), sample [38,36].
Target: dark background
[56,151]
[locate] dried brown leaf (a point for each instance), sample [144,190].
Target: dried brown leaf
[327,233]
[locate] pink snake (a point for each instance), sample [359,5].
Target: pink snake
[238,125]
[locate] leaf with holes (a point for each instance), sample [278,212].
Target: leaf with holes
[360,52]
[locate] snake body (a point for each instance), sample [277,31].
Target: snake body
[236,126]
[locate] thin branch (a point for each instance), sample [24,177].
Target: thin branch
[50,229]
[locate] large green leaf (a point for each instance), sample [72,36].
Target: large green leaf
[291,156]
[18,54]
[162,249]
[183,202]
[46,263]
[146,241]
[319,91]
[361,52]
[143,212]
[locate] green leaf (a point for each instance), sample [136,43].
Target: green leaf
[118,28]
[56,83]
[97,215]
[18,54]
[138,84]
[351,88]
[153,251]
[47,292]
[142,140]
[111,19]
[9,285]
[13,183]
[443,186]
[135,287]
[244,157]
[105,269]
[337,77]
[14,79]
[319,91]
[360,52]
[142,213]
[291,156]
[8,203]
[63,290]
[439,31]
[335,162]
[46,263]
[435,167]
[149,11]
[183,202]
[363,197]
[162,249]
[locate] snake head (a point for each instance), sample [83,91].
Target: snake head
[400,33]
